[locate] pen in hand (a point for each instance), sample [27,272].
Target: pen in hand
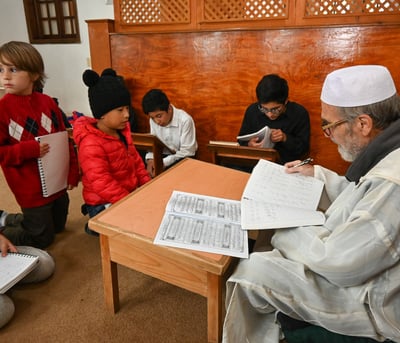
[302,163]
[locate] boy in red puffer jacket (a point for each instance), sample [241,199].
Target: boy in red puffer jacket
[110,164]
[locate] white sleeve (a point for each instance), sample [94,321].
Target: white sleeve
[334,185]
[149,155]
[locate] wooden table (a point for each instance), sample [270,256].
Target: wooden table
[127,230]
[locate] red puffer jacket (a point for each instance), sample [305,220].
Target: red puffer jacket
[110,169]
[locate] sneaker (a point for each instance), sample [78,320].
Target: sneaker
[14,219]
[90,232]
[84,210]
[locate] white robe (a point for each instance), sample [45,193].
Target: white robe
[343,276]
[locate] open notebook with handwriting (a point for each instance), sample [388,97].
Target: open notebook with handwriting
[13,268]
[274,199]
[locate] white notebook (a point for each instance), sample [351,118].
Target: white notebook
[263,136]
[274,199]
[13,268]
[54,166]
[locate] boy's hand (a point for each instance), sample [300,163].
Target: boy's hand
[255,143]
[150,167]
[6,245]
[277,135]
[44,149]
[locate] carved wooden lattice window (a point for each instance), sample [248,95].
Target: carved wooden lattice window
[154,11]
[52,21]
[244,9]
[352,7]
[176,15]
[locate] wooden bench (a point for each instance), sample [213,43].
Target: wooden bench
[224,154]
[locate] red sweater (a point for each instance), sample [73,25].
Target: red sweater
[110,169]
[22,118]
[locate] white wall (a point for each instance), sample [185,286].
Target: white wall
[64,63]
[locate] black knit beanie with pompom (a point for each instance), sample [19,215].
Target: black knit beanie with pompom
[106,92]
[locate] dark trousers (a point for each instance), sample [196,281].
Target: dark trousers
[40,224]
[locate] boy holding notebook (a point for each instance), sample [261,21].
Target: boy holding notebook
[26,113]
[43,270]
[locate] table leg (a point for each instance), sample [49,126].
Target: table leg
[110,276]
[214,307]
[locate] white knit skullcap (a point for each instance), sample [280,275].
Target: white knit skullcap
[358,86]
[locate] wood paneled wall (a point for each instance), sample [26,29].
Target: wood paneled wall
[213,75]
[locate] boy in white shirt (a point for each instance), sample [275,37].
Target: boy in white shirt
[173,126]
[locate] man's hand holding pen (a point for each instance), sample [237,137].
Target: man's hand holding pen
[304,162]
[303,167]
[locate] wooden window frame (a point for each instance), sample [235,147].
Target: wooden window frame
[57,24]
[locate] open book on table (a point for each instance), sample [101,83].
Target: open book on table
[204,223]
[13,267]
[263,135]
[275,199]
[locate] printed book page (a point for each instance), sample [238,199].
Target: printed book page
[274,199]
[204,223]
[263,135]
[13,267]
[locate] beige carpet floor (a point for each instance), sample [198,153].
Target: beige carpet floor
[69,307]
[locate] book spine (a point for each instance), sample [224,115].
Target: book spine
[41,175]
[22,254]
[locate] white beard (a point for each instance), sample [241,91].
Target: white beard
[352,150]
[345,154]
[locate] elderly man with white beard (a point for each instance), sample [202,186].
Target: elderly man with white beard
[342,277]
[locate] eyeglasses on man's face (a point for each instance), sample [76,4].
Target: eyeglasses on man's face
[327,128]
[273,110]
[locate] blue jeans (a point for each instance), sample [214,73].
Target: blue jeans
[95,209]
